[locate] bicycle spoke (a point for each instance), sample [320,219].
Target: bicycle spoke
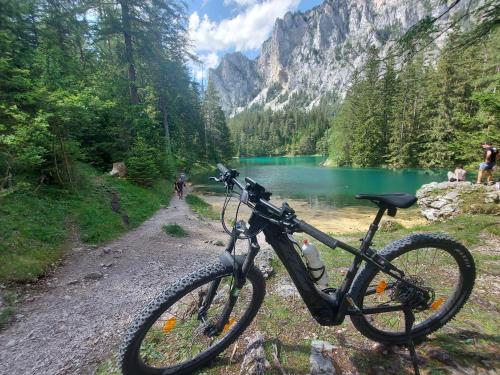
[188,337]
[434,267]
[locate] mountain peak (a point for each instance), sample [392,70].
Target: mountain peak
[316,51]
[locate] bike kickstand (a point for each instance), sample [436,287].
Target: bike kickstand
[409,320]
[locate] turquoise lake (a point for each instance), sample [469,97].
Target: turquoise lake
[303,177]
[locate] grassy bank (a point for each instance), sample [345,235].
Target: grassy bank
[36,226]
[201,207]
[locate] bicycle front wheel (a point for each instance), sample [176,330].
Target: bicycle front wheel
[171,337]
[433,261]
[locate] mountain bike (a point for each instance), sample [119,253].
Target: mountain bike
[404,292]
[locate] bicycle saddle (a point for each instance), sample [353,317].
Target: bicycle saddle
[399,200]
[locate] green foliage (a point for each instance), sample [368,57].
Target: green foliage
[219,145]
[34,225]
[175,230]
[290,131]
[7,309]
[79,89]
[424,116]
[142,168]
[201,207]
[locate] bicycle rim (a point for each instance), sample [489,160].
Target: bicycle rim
[179,336]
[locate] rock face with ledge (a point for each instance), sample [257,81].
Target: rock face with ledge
[443,200]
[315,52]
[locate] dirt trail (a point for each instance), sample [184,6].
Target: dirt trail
[75,318]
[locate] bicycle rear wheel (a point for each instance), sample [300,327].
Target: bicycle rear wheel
[169,336]
[432,261]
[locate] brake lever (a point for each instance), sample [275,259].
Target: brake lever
[215,179]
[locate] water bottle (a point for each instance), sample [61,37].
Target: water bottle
[315,265]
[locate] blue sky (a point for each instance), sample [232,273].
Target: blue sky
[220,26]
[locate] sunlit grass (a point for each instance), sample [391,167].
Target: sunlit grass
[201,207]
[175,230]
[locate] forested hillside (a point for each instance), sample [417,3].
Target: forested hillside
[291,131]
[429,114]
[99,82]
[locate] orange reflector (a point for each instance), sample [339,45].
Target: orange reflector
[169,325]
[382,285]
[228,324]
[437,303]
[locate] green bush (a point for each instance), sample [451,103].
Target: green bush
[175,230]
[141,165]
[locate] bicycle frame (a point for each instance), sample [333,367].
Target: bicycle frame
[327,309]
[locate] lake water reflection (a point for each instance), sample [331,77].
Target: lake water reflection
[303,177]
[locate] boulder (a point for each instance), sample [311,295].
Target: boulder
[321,358]
[263,262]
[443,200]
[119,169]
[254,360]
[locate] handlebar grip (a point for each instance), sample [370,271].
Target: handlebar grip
[317,234]
[222,168]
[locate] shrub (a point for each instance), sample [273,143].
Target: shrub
[175,230]
[141,165]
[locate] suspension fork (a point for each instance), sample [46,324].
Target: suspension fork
[214,285]
[241,273]
[242,266]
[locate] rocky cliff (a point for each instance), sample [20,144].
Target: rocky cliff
[316,52]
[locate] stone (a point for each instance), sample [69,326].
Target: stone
[321,358]
[443,200]
[492,197]
[451,196]
[254,359]
[378,370]
[73,282]
[10,343]
[263,262]
[119,169]
[93,276]
[286,289]
[441,356]
[439,203]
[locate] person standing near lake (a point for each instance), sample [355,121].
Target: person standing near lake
[490,159]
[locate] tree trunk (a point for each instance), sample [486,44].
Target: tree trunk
[134,97]
[164,118]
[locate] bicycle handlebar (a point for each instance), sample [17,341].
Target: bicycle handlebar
[222,169]
[229,175]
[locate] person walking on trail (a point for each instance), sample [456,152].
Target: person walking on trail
[179,187]
[490,159]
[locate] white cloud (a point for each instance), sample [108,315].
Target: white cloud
[246,31]
[209,60]
[241,3]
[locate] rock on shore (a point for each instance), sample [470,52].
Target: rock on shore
[440,201]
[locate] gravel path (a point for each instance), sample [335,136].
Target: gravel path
[76,317]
